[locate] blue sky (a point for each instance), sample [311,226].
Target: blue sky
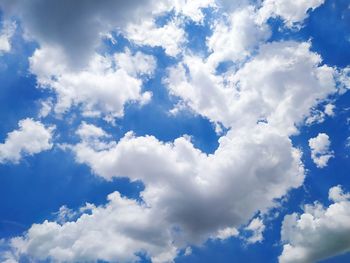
[175,131]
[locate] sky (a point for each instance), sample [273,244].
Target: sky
[175,131]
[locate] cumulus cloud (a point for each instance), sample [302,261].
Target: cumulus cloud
[319,233]
[113,232]
[189,196]
[100,89]
[76,27]
[320,152]
[181,196]
[192,8]
[236,36]
[319,116]
[255,157]
[270,87]
[30,138]
[6,33]
[292,12]
[171,36]
[257,228]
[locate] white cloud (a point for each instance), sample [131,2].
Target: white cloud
[318,116]
[319,233]
[30,138]
[292,12]
[227,233]
[101,89]
[236,37]
[63,24]
[257,228]
[6,33]
[193,8]
[185,201]
[171,36]
[136,64]
[329,109]
[229,5]
[320,152]
[88,131]
[280,85]
[46,108]
[113,232]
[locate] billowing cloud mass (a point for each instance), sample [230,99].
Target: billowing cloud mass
[177,194]
[75,27]
[269,87]
[320,152]
[320,232]
[292,12]
[101,89]
[236,37]
[171,37]
[264,91]
[30,138]
[256,227]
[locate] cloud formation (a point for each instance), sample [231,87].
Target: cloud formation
[181,195]
[270,87]
[320,232]
[320,152]
[6,33]
[30,138]
[75,27]
[101,89]
[268,90]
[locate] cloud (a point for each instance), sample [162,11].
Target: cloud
[293,13]
[319,116]
[192,8]
[196,196]
[319,233]
[257,228]
[113,232]
[75,27]
[227,233]
[30,138]
[100,89]
[171,36]
[189,196]
[6,33]
[320,152]
[236,36]
[270,87]
[188,199]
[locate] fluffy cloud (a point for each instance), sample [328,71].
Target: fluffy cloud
[113,232]
[180,199]
[100,89]
[235,37]
[30,138]
[292,12]
[271,87]
[255,157]
[6,33]
[189,196]
[318,116]
[318,233]
[192,8]
[320,152]
[76,27]
[256,227]
[171,36]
